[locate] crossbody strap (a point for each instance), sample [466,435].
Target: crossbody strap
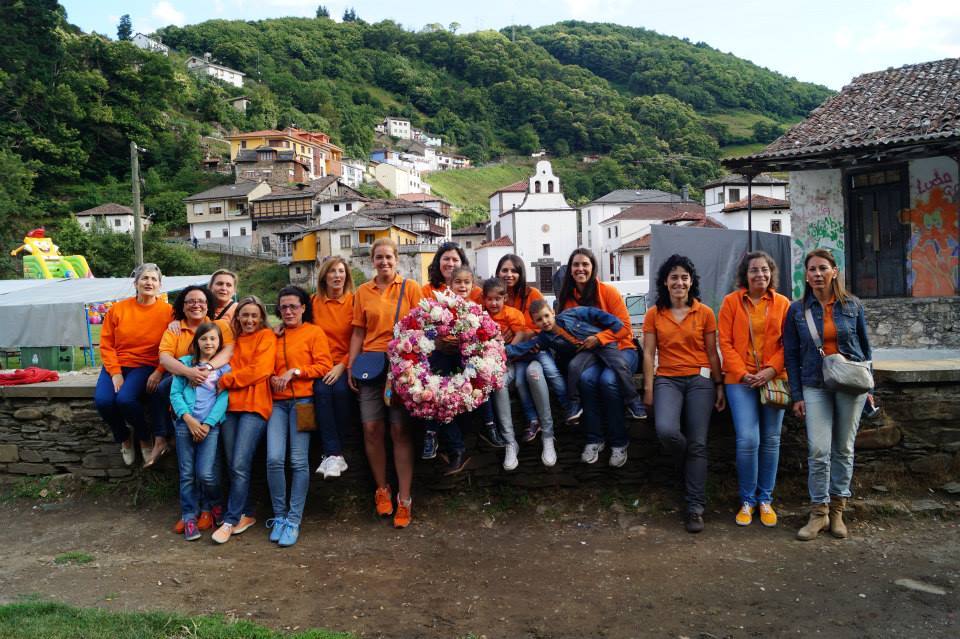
[396,315]
[813,331]
[225,309]
[753,348]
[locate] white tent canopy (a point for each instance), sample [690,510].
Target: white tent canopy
[52,312]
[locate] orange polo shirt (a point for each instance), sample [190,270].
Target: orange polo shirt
[227,314]
[475,296]
[374,310]
[767,320]
[511,319]
[251,366]
[335,317]
[304,347]
[131,333]
[681,346]
[533,293]
[609,300]
[829,330]
[179,345]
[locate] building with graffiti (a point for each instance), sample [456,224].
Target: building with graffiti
[874,177]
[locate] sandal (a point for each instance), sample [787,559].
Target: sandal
[155,457]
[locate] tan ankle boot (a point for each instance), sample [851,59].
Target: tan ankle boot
[818,521]
[837,528]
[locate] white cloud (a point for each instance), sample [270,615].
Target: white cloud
[599,10]
[166,13]
[925,27]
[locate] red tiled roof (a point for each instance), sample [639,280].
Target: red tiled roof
[759,202]
[656,211]
[503,240]
[516,187]
[709,223]
[639,243]
[698,220]
[421,197]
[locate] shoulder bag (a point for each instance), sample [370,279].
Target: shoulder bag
[306,415]
[840,373]
[370,367]
[774,393]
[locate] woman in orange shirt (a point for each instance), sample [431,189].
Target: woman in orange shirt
[223,285]
[375,305]
[129,340]
[682,333]
[751,342]
[302,355]
[448,257]
[333,312]
[250,402]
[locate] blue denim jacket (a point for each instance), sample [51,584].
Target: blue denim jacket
[580,321]
[801,355]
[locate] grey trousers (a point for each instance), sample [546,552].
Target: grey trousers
[611,357]
[682,407]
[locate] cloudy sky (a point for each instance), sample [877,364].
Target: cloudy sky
[828,42]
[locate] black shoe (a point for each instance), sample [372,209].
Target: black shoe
[694,523]
[491,436]
[456,462]
[531,433]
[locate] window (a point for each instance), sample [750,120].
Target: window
[609,232]
[116,222]
[589,214]
[216,210]
[638,265]
[616,231]
[345,241]
[536,186]
[775,226]
[720,196]
[349,206]
[298,270]
[243,144]
[336,207]
[243,231]
[589,240]
[226,233]
[207,234]
[546,249]
[368,238]
[265,242]
[734,195]
[549,186]
[469,244]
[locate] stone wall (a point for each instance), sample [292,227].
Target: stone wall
[913,322]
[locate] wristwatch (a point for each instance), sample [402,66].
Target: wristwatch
[296,372]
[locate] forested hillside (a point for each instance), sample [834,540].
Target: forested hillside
[653,105]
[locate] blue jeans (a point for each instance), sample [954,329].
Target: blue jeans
[241,434]
[281,429]
[451,436]
[127,406]
[334,404]
[832,420]
[196,461]
[758,443]
[602,396]
[163,423]
[532,380]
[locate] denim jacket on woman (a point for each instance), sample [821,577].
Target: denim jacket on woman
[803,362]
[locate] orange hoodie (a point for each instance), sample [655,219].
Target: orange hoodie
[131,332]
[304,347]
[609,300]
[251,366]
[735,337]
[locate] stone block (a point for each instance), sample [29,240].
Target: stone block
[9,453]
[119,472]
[60,457]
[28,414]
[31,469]
[30,455]
[103,460]
[61,412]
[936,464]
[886,436]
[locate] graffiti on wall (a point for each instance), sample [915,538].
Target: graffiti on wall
[822,232]
[933,267]
[816,205]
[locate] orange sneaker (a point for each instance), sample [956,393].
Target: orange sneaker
[205,521]
[244,523]
[402,518]
[768,517]
[179,526]
[384,501]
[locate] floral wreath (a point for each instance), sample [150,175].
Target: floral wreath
[438,397]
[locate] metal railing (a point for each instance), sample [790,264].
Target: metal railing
[229,249]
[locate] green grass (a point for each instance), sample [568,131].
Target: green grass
[736,150]
[741,122]
[472,187]
[73,557]
[33,619]
[33,488]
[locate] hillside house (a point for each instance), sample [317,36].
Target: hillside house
[112,217]
[353,171]
[240,103]
[290,156]
[873,177]
[447,161]
[536,220]
[725,201]
[150,44]
[221,215]
[206,66]
[431,225]
[399,180]
[428,200]
[395,128]
[470,238]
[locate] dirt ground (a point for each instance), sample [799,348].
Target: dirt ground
[559,563]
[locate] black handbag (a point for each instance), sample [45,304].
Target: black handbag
[370,367]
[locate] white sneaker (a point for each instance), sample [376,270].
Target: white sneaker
[618,456]
[510,460]
[337,465]
[129,455]
[591,452]
[549,454]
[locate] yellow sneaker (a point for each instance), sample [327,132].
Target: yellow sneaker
[767,515]
[745,515]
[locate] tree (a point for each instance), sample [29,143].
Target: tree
[125,28]
[349,15]
[322,12]
[454,26]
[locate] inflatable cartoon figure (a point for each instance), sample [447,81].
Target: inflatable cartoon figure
[44,261]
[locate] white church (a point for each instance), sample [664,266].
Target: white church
[532,219]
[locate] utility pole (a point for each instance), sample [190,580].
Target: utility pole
[137,224]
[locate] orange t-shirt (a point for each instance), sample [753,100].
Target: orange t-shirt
[228,313]
[829,330]
[681,347]
[179,345]
[251,366]
[304,347]
[609,300]
[533,293]
[475,296]
[374,310]
[511,319]
[131,332]
[335,317]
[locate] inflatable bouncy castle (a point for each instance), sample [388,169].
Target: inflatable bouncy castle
[44,262]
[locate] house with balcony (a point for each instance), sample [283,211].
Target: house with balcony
[429,200]
[353,171]
[447,161]
[150,44]
[432,226]
[207,67]
[290,156]
[222,215]
[112,217]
